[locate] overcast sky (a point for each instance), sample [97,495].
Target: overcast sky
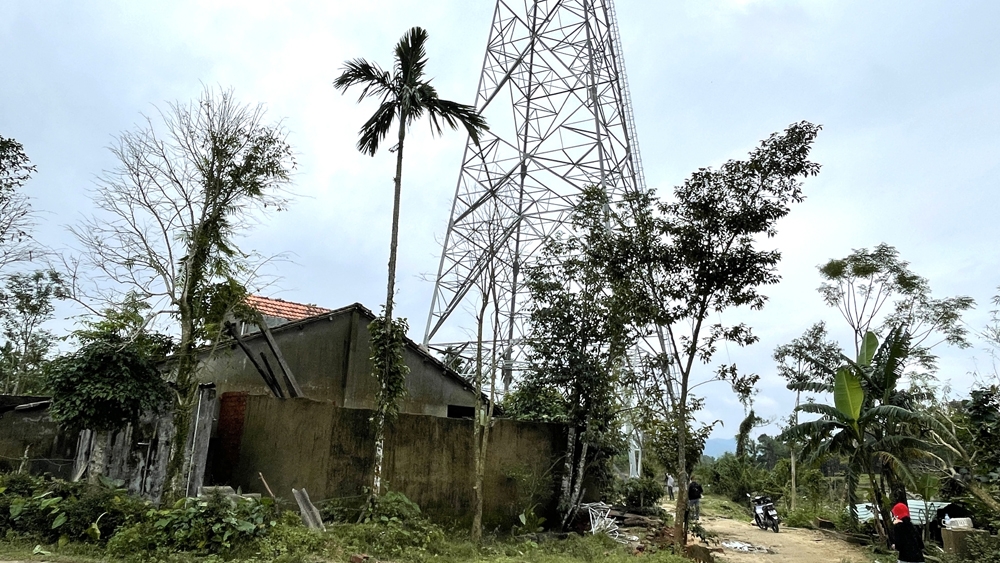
[908,93]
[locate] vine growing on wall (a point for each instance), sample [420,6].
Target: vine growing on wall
[387,338]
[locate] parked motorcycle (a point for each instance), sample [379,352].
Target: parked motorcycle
[764,514]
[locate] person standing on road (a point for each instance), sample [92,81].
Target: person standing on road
[904,538]
[670,486]
[694,499]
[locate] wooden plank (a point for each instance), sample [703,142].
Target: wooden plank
[271,383]
[293,385]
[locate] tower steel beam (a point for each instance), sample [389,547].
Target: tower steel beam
[554,91]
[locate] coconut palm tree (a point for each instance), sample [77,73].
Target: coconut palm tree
[406,95]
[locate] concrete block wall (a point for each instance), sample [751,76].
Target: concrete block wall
[328,450]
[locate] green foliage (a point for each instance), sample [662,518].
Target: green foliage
[396,505]
[530,522]
[390,537]
[15,211]
[662,438]
[805,517]
[984,548]
[49,510]
[848,394]
[863,282]
[743,442]
[872,422]
[579,335]
[388,366]
[983,408]
[26,302]
[770,452]
[644,492]
[406,94]
[109,382]
[15,168]
[217,524]
[806,362]
[736,477]
[535,402]
[217,302]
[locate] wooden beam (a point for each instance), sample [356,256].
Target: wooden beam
[271,383]
[293,385]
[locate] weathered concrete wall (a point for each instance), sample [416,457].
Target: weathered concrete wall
[137,455]
[49,449]
[328,450]
[329,356]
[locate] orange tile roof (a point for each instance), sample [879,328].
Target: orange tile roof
[284,309]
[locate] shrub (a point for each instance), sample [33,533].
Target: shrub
[52,509]
[217,524]
[800,518]
[396,527]
[387,537]
[736,477]
[644,492]
[984,548]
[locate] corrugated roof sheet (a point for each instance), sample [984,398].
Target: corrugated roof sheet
[284,309]
[918,515]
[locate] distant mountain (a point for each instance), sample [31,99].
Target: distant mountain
[715,447]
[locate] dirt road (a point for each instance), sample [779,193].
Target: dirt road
[788,546]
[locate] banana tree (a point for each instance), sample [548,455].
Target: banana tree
[865,424]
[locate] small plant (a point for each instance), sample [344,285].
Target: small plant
[531,523]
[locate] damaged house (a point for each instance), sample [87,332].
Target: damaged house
[287,403]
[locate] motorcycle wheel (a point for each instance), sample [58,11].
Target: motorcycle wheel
[774,525]
[759,522]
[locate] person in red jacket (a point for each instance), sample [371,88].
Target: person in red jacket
[904,537]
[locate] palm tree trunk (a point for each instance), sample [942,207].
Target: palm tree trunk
[479,430]
[389,326]
[394,239]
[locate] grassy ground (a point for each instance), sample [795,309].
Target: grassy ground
[341,542]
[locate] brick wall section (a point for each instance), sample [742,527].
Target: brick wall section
[232,418]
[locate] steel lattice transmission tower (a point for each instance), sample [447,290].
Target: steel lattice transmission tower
[554,92]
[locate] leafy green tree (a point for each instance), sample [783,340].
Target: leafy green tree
[802,361]
[579,335]
[16,217]
[111,380]
[968,435]
[170,214]
[860,286]
[684,260]
[405,96]
[25,304]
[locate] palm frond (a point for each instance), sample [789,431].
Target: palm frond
[376,128]
[376,82]
[890,360]
[453,114]
[411,56]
